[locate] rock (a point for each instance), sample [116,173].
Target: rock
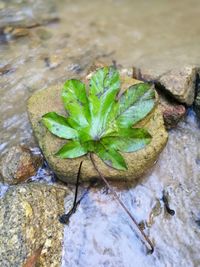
[197,99]
[51,61]
[11,32]
[156,211]
[43,34]
[179,83]
[18,164]
[26,15]
[20,32]
[172,111]
[29,221]
[5,69]
[197,105]
[66,169]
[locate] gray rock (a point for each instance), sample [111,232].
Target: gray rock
[19,164]
[66,169]
[29,221]
[27,14]
[180,83]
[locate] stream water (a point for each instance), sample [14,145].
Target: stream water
[61,40]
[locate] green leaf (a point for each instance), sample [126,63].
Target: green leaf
[135,104]
[128,140]
[110,157]
[104,79]
[104,86]
[58,125]
[98,122]
[76,103]
[72,149]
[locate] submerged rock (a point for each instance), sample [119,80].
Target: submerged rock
[180,83]
[16,32]
[5,69]
[25,14]
[29,222]
[18,164]
[66,169]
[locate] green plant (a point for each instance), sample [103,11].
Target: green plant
[102,120]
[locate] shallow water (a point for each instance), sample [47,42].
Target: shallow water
[146,33]
[154,34]
[100,234]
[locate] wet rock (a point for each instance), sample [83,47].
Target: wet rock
[34,258]
[18,164]
[165,199]
[16,32]
[156,211]
[197,222]
[43,34]
[51,61]
[197,105]
[25,14]
[179,83]
[29,222]
[5,69]
[172,111]
[197,99]
[66,169]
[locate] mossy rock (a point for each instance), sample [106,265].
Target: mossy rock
[66,169]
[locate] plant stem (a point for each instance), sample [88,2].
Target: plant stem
[145,238]
[77,184]
[65,217]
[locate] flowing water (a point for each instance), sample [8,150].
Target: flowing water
[61,39]
[100,234]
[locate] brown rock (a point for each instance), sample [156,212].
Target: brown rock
[66,169]
[34,258]
[172,111]
[179,83]
[16,32]
[18,164]
[20,32]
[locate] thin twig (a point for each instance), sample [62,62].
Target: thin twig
[145,239]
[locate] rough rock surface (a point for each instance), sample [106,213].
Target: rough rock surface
[197,99]
[28,221]
[172,111]
[197,105]
[66,169]
[18,164]
[180,83]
